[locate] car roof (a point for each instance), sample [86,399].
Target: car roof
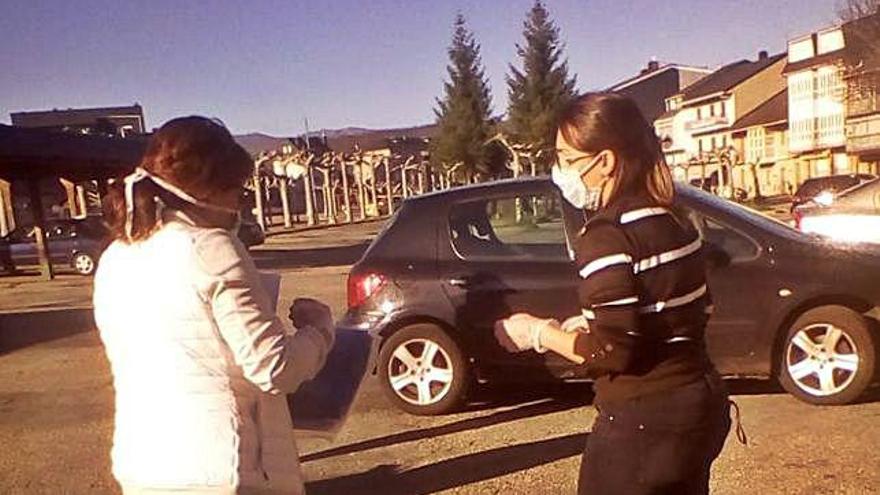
[477,190]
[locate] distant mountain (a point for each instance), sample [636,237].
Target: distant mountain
[343,140]
[345,131]
[255,142]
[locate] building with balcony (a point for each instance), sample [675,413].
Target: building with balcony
[697,126]
[760,139]
[862,78]
[863,120]
[834,114]
[656,82]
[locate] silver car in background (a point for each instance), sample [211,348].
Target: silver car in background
[852,215]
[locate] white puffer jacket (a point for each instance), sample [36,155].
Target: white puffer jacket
[200,363]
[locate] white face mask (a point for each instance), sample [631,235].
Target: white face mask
[573,189]
[140,174]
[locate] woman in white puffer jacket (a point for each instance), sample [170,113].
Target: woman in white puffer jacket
[201,363]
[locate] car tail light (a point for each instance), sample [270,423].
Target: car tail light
[362,286]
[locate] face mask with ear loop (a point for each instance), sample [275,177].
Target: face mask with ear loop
[573,189]
[141,174]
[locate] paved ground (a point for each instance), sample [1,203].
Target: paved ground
[56,403]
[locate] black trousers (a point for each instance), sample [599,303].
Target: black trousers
[664,443]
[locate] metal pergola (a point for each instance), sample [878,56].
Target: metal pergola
[30,155]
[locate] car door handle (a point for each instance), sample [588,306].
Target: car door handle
[459,282]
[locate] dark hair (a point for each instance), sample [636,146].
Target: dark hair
[594,122]
[196,154]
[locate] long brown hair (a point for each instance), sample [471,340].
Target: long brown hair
[594,122]
[196,154]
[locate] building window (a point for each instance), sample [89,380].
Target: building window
[699,114]
[700,145]
[712,110]
[721,105]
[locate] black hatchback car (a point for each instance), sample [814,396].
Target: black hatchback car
[449,264]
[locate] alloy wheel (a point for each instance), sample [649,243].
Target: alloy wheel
[84,264]
[420,372]
[822,359]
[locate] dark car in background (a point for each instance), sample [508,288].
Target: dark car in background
[852,215]
[250,233]
[450,264]
[77,243]
[825,188]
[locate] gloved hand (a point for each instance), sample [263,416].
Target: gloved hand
[575,324]
[309,315]
[521,332]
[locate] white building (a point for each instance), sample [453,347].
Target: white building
[816,102]
[698,121]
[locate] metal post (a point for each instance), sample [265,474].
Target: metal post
[39,230]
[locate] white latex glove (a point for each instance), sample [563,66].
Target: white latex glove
[309,315]
[521,332]
[574,324]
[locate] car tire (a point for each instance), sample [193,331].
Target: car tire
[818,371]
[84,264]
[423,370]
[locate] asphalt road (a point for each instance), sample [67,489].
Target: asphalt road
[56,412]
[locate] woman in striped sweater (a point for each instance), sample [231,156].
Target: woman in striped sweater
[663,411]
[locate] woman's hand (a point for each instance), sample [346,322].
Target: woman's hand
[306,312]
[521,332]
[309,313]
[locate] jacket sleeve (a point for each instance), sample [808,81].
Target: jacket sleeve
[270,357]
[609,297]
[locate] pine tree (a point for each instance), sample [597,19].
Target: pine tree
[464,114]
[539,91]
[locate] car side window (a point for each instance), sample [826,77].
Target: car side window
[736,245]
[526,227]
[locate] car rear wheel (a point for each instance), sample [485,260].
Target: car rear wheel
[829,356]
[84,264]
[423,370]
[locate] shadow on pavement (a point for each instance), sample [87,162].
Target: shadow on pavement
[267,259]
[753,386]
[547,406]
[455,472]
[19,330]
[571,394]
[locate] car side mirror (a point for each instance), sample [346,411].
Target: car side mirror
[716,256]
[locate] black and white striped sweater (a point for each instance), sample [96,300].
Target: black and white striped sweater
[644,294]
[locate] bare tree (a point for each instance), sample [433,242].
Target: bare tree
[359,166]
[386,164]
[342,161]
[304,160]
[256,183]
[324,167]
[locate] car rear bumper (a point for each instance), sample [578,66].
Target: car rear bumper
[321,405]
